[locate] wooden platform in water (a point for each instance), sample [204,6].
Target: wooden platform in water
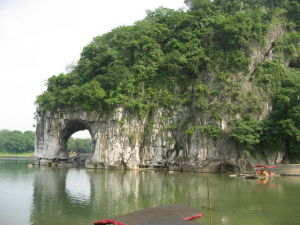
[162,215]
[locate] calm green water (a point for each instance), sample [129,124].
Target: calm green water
[56,196]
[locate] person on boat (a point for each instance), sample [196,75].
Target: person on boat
[264,173]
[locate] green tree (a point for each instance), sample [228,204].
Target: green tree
[17,141]
[247,133]
[197,4]
[80,145]
[282,129]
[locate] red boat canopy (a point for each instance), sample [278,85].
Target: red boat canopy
[264,166]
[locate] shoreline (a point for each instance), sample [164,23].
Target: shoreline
[281,170]
[16,155]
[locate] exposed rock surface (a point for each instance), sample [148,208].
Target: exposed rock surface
[122,141]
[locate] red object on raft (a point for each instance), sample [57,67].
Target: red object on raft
[197,216]
[109,222]
[162,215]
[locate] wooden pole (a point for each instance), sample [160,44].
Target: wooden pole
[209,200]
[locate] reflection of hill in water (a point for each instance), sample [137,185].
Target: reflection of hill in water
[63,196]
[53,202]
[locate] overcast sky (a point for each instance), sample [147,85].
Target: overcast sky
[40,38]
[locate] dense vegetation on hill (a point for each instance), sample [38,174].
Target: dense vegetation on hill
[20,142]
[197,58]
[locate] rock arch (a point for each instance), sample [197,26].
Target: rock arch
[53,132]
[70,128]
[110,138]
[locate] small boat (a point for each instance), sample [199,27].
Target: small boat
[264,170]
[162,215]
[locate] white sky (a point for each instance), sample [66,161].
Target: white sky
[39,38]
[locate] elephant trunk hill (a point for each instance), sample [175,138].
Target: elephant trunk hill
[212,88]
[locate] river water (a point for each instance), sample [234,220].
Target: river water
[59,196]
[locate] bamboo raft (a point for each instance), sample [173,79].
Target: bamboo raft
[162,215]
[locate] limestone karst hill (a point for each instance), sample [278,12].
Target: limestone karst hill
[214,87]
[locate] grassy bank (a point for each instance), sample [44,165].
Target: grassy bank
[8,155]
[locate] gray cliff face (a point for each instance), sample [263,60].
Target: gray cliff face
[122,141]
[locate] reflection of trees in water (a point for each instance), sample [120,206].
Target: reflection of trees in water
[102,194]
